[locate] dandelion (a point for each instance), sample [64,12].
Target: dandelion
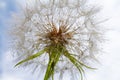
[56,35]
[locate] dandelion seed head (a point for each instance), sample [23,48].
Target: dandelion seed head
[69,23]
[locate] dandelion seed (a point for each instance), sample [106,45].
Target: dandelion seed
[60,35]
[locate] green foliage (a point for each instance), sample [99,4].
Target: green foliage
[31,57]
[55,51]
[79,65]
[54,55]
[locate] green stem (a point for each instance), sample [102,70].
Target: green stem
[54,55]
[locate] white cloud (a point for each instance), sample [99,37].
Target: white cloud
[10,77]
[9,72]
[109,70]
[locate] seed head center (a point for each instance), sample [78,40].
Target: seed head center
[57,36]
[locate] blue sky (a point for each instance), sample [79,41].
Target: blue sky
[109,68]
[6,70]
[6,7]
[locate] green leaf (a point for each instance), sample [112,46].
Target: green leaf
[75,62]
[79,65]
[80,62]
[31,57]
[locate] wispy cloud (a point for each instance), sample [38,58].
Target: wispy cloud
[6,7]
[10,77]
